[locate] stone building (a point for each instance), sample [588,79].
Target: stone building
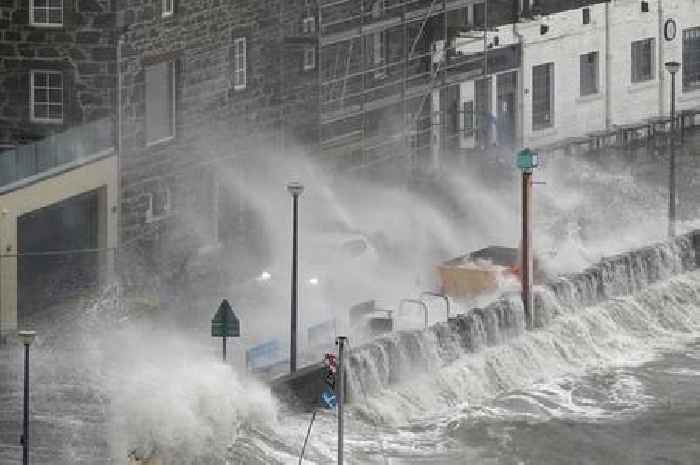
[58,169]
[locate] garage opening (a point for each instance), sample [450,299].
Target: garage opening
[57,261]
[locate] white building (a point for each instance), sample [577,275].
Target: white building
[586,70]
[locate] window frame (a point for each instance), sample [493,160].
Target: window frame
[595,77]
[635,77]
[47,9]
[165,12]
[240,54]
[546,123]
[309,25]
[32,103]
[688,64]
[309,65]
[171,74]
[468,117]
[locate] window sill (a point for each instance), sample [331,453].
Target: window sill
[240,88]
[545,131]
[690,94]
[48,122]
[159,142]
[151,219]
[643,86]
[47,26]
[590,98]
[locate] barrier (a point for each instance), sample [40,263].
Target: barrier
[264,355]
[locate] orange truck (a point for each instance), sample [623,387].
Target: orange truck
[477,273]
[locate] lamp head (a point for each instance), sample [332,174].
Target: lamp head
[672,66]
[295,188]
[27,337]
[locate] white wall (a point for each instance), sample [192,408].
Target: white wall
[100,174]
[564,42]
[633,102]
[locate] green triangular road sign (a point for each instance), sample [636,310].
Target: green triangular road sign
[225,323]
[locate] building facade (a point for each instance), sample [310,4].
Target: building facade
[121,121]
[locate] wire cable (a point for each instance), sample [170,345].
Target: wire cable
[308,433]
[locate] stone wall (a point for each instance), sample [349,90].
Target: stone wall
[83,49]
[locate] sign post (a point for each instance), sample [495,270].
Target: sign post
[526,161]
[225,324]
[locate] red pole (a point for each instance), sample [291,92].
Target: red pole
[526,267]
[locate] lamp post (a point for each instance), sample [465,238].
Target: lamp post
[295,189]
[672,67]
[27,337]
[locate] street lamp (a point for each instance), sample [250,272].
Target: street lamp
[672,67]
[295,189]
[27,337]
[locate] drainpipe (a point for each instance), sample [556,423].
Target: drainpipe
[661,61]
[521,85]
[118,154]
[607,66]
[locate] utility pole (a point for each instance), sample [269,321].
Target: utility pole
[340,383]
[526,161]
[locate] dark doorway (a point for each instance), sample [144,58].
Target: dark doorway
[53,264]
[506,87]
[484,117]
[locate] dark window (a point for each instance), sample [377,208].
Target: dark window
[691,58]
[309,58]
[643,60]
[586,16]
[542,98]
[479,14]
[589,73]
[468,119]
[168,7]
[645,7]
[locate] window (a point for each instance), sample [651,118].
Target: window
[643,60]
[309,25]
[586,16]
[309,58]
[589,73]
[379,47]
[691,58]
[168,8]
[469,119]
[46,96]
[378,38]
[524,8]
[479,15]
[158,204]
[160,102]
[239,64]
[46,13]
[542,96]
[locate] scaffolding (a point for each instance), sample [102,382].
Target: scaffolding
[380,61]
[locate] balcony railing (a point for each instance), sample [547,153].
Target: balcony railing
[78,143]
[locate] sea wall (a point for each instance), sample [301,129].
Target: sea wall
[399,355]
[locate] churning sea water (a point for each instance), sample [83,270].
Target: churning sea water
[612,382]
